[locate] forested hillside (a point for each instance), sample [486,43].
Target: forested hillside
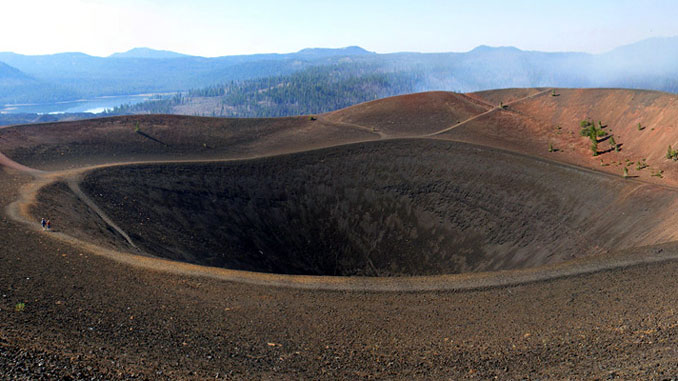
[314,90]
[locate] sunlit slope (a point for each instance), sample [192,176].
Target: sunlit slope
[413,114]
[533,125]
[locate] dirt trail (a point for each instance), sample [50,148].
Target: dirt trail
[324,120]
[486,113]
[28,194]
[73,186]
[9,163]
[384,135]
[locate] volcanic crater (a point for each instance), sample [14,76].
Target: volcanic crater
[387,208]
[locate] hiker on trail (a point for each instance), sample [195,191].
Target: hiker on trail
[49,225]
[43,223]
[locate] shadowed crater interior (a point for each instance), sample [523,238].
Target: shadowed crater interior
[391,208]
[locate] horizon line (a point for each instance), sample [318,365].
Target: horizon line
[187,55]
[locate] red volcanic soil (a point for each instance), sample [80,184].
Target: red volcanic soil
[95,307]
[532,124]
[413,114]
[496,97]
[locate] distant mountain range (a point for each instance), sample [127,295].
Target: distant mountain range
[650,64]
[147,53]
[143,70]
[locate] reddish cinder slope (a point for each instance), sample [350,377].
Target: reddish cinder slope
[496,97]
[412,114]
[529,126]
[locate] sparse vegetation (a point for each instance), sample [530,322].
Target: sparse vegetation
[589,129]
[614,144]
[659,173]
[641,164]
[19,307]
[626,172]
[640,127]
[553,93]
[672,154]
[136,128]
[551,149]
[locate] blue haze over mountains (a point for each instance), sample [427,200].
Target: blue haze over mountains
[648,64]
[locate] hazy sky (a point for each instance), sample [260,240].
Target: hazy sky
[215,28]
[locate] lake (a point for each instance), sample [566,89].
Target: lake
[95,105]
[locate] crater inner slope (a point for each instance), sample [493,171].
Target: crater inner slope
[388,208]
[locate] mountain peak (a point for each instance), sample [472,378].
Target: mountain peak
[486,48]
[147,53]
[326,52]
